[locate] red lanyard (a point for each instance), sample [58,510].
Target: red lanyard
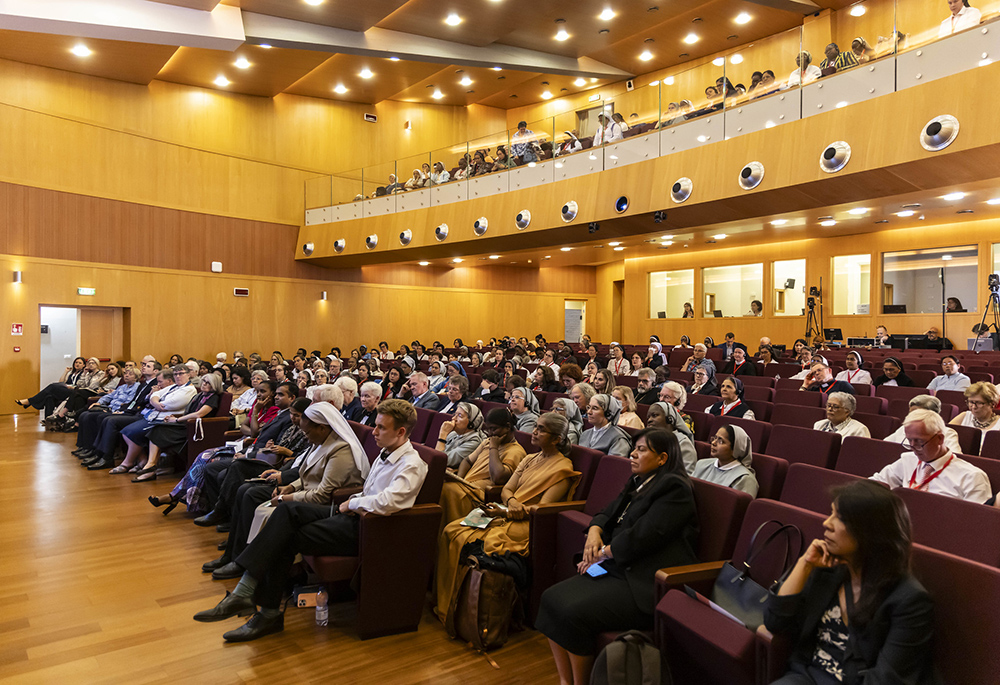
[923,485]
[735,404]
[618,366]
[852,374]
[739,367]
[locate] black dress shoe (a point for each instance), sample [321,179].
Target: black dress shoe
[84,452]
[224,527]
[209,519]
[228,572]
[94,456]
[256,627]
[223,545]
[104,463]
[210,566]
[230,606]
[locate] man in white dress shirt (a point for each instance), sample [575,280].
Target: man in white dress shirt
[300,527]
[952,379]
[962,17]
[931,466]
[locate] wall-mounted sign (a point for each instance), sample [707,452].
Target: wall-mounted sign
[86,291]
[17,329]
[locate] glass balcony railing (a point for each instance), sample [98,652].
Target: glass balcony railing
[862,51]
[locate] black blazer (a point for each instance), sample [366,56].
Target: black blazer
[749,368]
[660,529]
[895,647]
[722,346]
[651,396]
[902,380]
[141,399]
[495,395]
[739,411]
[710,388]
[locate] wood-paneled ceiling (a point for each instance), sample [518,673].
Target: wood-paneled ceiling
[655,26]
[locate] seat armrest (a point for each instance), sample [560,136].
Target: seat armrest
[233,435]
[342,494]
[677,576]
[772,655]
[555,507]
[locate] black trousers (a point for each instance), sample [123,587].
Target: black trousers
[89,426]
[214,474]
[295,527]
[236,475]
[51,395]
[79,399]
[111,431]
[249,496]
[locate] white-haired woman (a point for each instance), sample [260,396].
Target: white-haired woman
[840,408]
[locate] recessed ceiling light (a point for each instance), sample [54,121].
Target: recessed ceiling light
[828,223]
[669,81]
[841,104]
[666,237]
[81,50]
[565,249]
[456,260]
[497,68]
[994,201]
[221,81]
[779,222]
[340,89]
[580,82]
[857,211]
[654,83]
[494,256]
[242,63]
[906,213]
[314,2]
[265,46]
[719,61]
[437,95]
[424,263]
[691,39]
[562,35]
[546,95]
[736,59]
[666,243]
[742,18]
[946,257]
[607,15]
[858,11]
[366,73]
[393,59]
[614,244]
[646,56]
[719,236]
[453,19]
[619,249]
[952,197]
[548,256]
[466,81]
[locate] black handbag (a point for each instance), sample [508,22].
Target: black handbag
[742,596]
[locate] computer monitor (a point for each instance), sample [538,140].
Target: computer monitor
[980,344]
[661,315]
[861,342]
[717,313]
[894,309]
[908,342]
[833,334]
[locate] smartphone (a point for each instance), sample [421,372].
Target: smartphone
[596,570]
[259,480]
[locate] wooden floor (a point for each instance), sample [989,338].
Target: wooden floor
[96,586]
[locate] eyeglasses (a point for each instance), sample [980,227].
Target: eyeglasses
[976,403]
[833,406]
[915,444]
[715,438]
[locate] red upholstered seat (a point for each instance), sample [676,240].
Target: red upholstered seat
[866,456]
[758,381]
[869,405]
[892,392]
[761,410]
[434,428]
[795,415]
[803,445]
[702,424]
[968,438]
[770,472]
[990,466]
[879,426]
[757,392]
[213,434]
[991,445]
[967,529]
[757,431]
[424,418]
[809,487]
[696,403]
[863,389]
[798,397]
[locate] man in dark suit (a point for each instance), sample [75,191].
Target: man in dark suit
[730,345]
[490,390]
[820,379]
[422,397]
[646,391]
[90,421]
[352,403]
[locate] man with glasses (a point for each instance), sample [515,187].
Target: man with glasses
[933,404]
[646,391]
[953,379]
[931,466]
[820,379]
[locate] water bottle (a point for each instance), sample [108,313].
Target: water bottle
[322,611]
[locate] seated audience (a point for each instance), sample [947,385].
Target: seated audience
[933,404]
[697,358]
[83,375]
[604,435]
[840,408]
[371,394]
[651,525]
[854,373]
[416,181]
[963,16]
[104,406]
[952,378]
[456,391]
[439,176]
[603,381]
[422,397]
[628,418]
[352,408]
[571,412]
[893,374]
[646,391]
[731,464]
[540,478]
[490,389]
[545,380]
[581,394]
[931,466]
[804,357]
[674,394]
[863,52]
[805,70]
[590,371]
[666,416]
[731,402]
[935,341]
[490,464]
[820,379]
[525,408]
[739,365]
[729,346]
[654,356]
[837,60]
[981,399]
[637,362]
[704,381]
[850,599]
[308,528]
[618,365]
[765,355]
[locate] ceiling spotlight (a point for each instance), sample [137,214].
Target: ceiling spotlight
[546,95]
[565,249]
[393,59]
[857,211]
[453,19]
[221,81]
[666,237]
[366,73]
[457,260]
[719,61]
[952,197]
[607,15]
[466,81]
[242,63]
[742,18]
[497,68]
[646,56]
[905,214]
[424,263]
[827,223]
[561,35]
[580,82]
[691,38]
[619,249]
[265,46]
[719,236]
[614,244]
[666,243]
[81,50]
[340,89]
[946,257]
[736,59]
[437,95]
[779,222]
[858,11]
[314,2]
[994,201]
[494,256]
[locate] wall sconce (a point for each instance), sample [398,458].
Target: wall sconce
[323,296]
[17,276]
[408,125]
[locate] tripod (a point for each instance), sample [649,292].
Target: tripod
[993,302]
[812,324]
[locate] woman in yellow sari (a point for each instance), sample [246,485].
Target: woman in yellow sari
[489,465]
[540,478]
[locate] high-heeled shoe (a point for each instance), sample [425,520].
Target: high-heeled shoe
[145,475]
[171,503]
[21,404]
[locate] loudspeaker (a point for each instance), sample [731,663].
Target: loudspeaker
[441,232]
[371,241]
[835,157]
[480,225]
[681,190]
[939,133]
[751,175]
[569,211]
[523,219]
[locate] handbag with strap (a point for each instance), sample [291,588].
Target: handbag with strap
[482,609]
[632,659]
[742,596]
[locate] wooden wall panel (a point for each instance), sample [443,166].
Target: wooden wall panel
[101,332]
[195,313]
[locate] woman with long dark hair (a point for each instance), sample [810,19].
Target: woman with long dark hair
[392,383]
[852,607]
[652,524]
